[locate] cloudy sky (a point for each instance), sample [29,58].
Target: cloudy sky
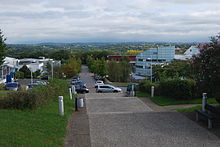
[34,21]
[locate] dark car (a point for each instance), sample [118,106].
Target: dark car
[14,86]
[81,89]
[80,83]
[77,77]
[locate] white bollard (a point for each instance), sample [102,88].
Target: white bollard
[204,101]
[70,92]
[80,102]
[152,91]
[73,89]
[61,106]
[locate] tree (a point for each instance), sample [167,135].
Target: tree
[3,47]
[176,69]
[26,71]
[72,68]
[206,67]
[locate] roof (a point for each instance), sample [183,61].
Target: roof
[119,57]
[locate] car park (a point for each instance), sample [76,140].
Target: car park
[107,88]
[14,86]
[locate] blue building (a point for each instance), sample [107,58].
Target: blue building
[159,55]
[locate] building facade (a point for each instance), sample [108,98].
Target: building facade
[159,55]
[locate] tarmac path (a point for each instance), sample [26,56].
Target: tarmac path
[118,121]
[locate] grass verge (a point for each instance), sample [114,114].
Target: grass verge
[40,127]
[165,101]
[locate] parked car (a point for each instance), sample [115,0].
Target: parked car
[77,77]
[81,89]
[107,88]
[81,83]
[14,86]
[99,82]
[97,77]
[31,85]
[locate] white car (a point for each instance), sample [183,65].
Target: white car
[107,88]
[99,82]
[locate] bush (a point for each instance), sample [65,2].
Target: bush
[19,75]
[36,97]
[178,89]
[145,86]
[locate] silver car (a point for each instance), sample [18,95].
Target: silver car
[107,88]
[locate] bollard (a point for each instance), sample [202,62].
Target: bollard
[80,102]
[204,101]
[73,89]
[152,91]
[76,106]
[70,91]
[61,106]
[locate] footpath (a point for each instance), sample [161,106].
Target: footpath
[113,120]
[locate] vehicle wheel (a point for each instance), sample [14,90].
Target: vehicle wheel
[115,91]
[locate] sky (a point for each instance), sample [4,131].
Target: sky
[37,21]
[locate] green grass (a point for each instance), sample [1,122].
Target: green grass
[165,101]
[120,84]
[40,127]
[191,109]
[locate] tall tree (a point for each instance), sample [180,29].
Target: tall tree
[206,67]
[3,47]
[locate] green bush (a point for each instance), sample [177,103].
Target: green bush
[145,86]
[19,75]
[178,89]
[36,97]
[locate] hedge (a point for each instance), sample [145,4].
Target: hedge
[178,89]
[145,86]
[173,88]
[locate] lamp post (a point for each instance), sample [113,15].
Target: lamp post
[151,70]
[52,70]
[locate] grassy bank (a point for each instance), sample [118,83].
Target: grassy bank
[165,101]
[38,127]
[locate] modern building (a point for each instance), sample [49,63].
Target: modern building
[152,56]
[193,50]
[11,65]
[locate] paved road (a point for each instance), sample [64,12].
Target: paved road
[118,121]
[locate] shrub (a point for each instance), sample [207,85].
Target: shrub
[178,89]
[145,86]
[19,75]
[36,97]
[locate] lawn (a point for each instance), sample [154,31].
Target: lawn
[165,101]
[120,84]
[40,127]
